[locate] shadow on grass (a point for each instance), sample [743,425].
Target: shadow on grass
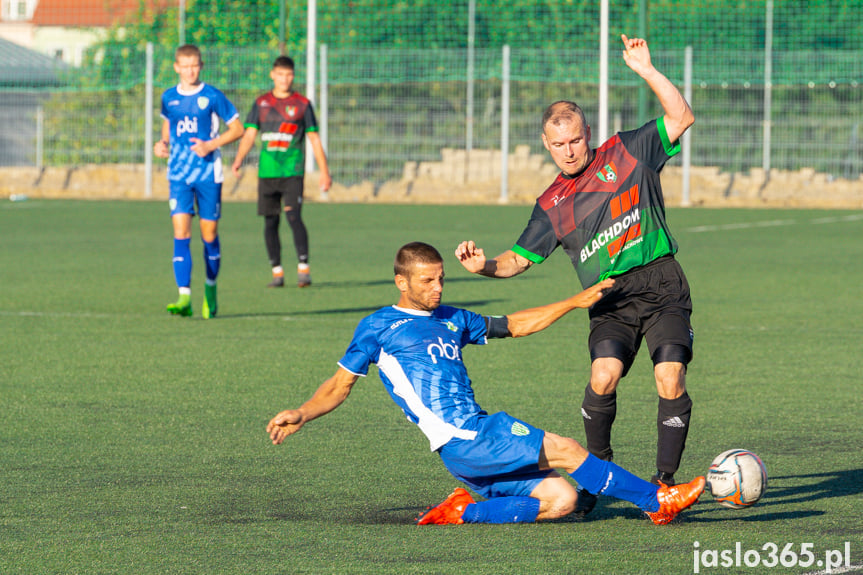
[785,490]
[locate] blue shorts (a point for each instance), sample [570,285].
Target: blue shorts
[206,195]
[503,459]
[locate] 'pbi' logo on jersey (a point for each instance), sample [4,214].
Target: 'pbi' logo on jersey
[608,173]
[187,125]
[444,350]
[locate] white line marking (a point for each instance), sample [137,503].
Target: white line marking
[849,569]
[837,219]
[743,226]
[53,314]
[774,223]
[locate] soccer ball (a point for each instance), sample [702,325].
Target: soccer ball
[737,478]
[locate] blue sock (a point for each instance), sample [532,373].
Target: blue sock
[598,476]
[182,262]
[212,258]
[502,510]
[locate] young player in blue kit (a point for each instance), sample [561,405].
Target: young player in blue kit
[416,345]
[191,141]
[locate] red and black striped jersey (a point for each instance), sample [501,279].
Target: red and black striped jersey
[282,123]
[610,218]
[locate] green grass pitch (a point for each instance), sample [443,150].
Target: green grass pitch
[133,442]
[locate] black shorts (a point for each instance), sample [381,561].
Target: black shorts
[650,302]
[273,191]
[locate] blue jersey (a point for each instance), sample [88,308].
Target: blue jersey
[195,115]
[418,355]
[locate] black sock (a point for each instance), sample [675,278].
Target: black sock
[672,425]
[301,236]
[271,240]
[598,412]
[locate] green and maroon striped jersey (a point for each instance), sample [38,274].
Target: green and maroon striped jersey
[610,218]
[282,123]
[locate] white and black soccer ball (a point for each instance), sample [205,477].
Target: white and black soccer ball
[737,478]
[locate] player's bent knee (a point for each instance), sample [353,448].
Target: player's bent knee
[556,497]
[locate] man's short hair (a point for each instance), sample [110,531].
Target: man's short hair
[562,111]
[284,62]
[415,253]
[188,50]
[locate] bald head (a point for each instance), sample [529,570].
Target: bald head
[563,112]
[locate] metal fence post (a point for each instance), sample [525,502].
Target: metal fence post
[148,124]
[768,89]
[324,98]
[504,127]
[603,72]
[687,136]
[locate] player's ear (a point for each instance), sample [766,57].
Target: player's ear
[401,282]
[544,140]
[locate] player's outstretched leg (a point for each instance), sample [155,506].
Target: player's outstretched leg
[661,504]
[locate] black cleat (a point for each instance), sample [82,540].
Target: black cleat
[585,503]
[662,478]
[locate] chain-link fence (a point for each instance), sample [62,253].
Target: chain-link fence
[406,79]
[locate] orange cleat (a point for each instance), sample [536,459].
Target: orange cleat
[448,512]
[675,498]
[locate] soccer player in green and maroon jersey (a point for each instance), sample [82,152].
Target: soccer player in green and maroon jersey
[607,211]
[284,118]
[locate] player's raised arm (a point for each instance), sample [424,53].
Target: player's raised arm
[678,114]
[331,394]
[536,319]
[505,265]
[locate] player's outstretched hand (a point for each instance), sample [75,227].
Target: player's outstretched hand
[284,424]
[636,55]
[470,256]
[593,294]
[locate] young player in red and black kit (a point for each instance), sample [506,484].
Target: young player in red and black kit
[284,118]
[607,211]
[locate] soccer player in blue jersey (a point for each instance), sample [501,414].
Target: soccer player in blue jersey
[606,209]
[190,141]
[417,345]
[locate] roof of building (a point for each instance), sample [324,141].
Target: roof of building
[24,68]
[89,13]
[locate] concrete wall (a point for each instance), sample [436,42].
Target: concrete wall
[456,179]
